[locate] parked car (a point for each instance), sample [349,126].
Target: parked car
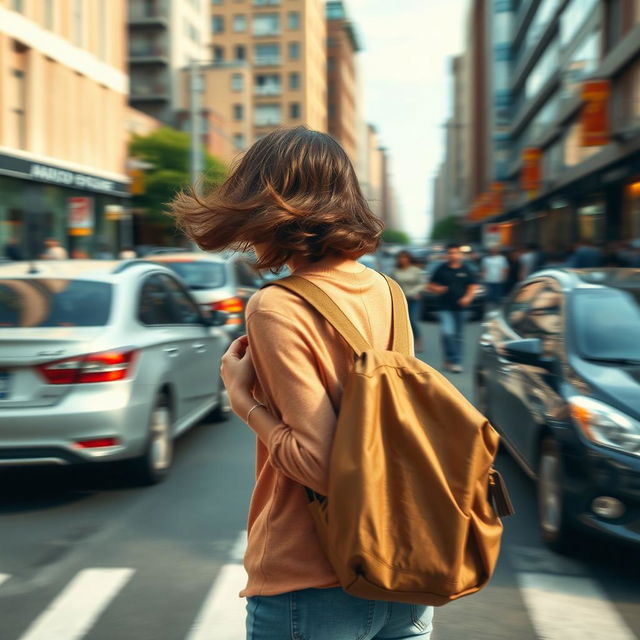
[218,282]
[430,301]
[558,374]
[103,361]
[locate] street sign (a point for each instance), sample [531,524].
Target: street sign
[80,216]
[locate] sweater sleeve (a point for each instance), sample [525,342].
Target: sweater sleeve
[287,371]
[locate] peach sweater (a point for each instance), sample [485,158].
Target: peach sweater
[301,365]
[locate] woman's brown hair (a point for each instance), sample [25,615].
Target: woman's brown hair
[294,192]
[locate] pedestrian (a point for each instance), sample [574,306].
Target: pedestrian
[530,260]
[494,269]
[54,250]
[294,199]
[413,282]
[455,283]
[513,256]
[12,250]
[586,256]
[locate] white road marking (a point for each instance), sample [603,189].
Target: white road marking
[222,615]
[571,608]
[237,551]
[74,611]
[4,577]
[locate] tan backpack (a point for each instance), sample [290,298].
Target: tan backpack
[409,515]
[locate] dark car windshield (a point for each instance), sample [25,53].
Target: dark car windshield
[607,324]
[199,274]
[54,303]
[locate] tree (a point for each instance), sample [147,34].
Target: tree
[449,228]
[393,236]
[168,151]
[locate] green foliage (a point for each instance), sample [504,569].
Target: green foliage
[449,228]
[168,151]
[393,236]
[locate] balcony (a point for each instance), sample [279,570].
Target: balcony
[266,61]
[148,14]
[149,91]
[265,32]
[268,90]
[148,53]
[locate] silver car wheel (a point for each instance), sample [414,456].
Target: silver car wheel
[161,438]
[550,493]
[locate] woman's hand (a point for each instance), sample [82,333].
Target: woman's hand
[238,375]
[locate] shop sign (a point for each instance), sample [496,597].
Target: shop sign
[594,118]
[37,171]
[491,235]
[531,169]
[80,216]
[114,212]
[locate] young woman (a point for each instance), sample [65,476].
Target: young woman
[413,282]
[294,198]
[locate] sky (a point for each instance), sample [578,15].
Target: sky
[404,65]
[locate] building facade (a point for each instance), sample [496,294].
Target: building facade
[342,84]
[164,36]
[284,44]
[552,121]
[63,101]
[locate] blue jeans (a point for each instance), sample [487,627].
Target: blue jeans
[495,291]
[414,317]
[332,614]
[452,328]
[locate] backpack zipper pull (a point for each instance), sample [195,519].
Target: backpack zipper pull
[499,495]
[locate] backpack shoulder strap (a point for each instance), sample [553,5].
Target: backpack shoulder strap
[401,340]
[320,301]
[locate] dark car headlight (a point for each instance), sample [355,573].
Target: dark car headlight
[605,425]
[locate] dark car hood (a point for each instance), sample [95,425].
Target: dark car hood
[617,385]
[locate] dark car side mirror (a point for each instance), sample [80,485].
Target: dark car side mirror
[526,351]
[216,318]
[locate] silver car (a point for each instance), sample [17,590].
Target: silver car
[218,282]
[103,361]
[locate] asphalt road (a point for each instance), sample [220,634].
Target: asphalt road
[84,556]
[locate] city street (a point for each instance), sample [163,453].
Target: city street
[84,556]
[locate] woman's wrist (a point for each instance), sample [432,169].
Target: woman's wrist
[241,403]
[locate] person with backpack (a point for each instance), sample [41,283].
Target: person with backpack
[316,341]
[412,280]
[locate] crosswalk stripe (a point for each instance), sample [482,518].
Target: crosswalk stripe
[4,577]
[571,608]
[222,615]
[74,611]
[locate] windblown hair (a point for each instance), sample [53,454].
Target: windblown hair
[294,192]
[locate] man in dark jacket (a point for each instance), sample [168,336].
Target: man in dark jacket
[455,283]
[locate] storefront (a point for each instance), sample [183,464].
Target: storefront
[86,213]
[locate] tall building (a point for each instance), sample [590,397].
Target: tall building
[63,102]
[284,43]
[551,125]
[342,47]
[164,36]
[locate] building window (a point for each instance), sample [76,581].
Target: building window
[575,14]
[294,110]
[268,115]
[218,54]
[267,84]
[237,82]
[293,20]
[238,112]
[217,24]
[335,11]
[266,24]
[294,51]
[217,2]
[239,22]
[266,54]
[17,98]
[78,31]
[266,3]
[240,52]
[49,15]
[294,80]
[17,5]
[238,141]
